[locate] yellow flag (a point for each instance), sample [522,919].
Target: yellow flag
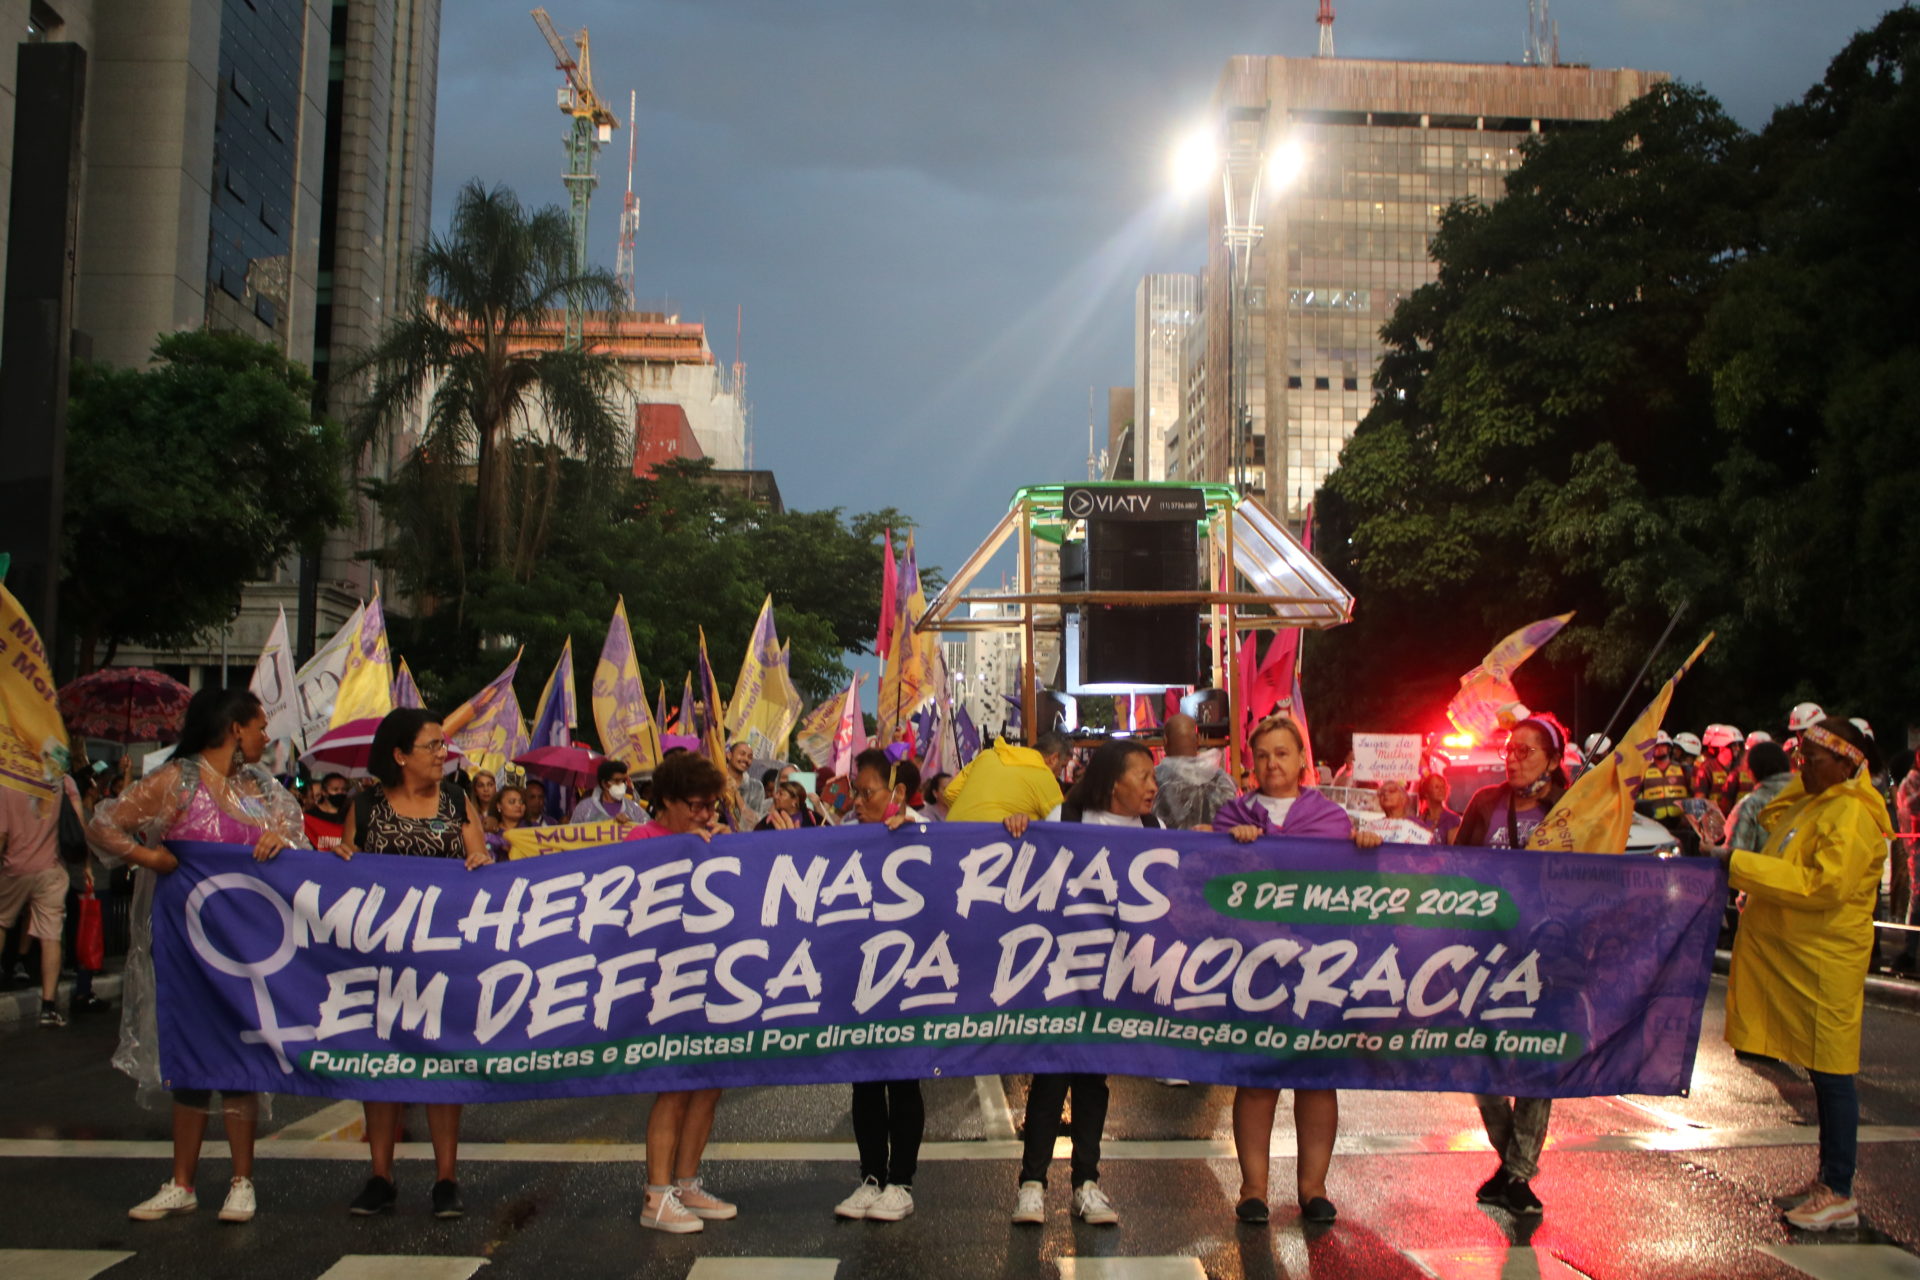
[531,842]
[1597,812]
[366,685]
[33,737]
[627,730]
[761,712]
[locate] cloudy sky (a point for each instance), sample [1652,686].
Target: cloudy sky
[934,214]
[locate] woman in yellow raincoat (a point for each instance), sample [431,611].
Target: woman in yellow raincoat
[1798,978]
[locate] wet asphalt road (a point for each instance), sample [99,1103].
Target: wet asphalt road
[1644,1187]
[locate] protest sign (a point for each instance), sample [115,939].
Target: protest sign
[856,953]
[1386,757]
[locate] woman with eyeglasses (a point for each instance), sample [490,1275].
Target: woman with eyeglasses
[415,811]
[686,801]
[1502,816]
[1797,982]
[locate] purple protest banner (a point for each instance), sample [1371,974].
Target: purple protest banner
[946,949]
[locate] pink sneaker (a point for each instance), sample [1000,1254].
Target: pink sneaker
[664,1212]
[702,1203]
[1824,1210]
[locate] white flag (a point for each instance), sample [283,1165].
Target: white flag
[316,685]
[273,682]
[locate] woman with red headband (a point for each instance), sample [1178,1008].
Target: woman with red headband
[1797,981]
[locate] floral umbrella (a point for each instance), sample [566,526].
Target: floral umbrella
[125,704]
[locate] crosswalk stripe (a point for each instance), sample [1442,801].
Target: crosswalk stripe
[1848,1261]
[339,1122]
[993,1107]
[764,1269]
[57,1264]
[1169,1268]
[1498,1262]
[401,1266]
[991,1149]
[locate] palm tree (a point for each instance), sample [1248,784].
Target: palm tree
[465,345]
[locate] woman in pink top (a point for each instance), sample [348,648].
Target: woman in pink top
[686,795]
[213,790]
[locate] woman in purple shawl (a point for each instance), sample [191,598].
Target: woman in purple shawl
[1279,806]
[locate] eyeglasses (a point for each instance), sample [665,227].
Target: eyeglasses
[704,804]
[431,748]
[868,793]
[1521,751]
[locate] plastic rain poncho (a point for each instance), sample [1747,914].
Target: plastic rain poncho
[1797,982]
[184,800]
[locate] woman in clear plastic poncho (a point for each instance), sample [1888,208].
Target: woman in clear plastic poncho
[214,790]
[1797,983]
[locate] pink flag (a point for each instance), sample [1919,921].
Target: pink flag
[889,597]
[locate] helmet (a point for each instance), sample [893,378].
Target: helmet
[1688,742]
[1758,736]
[1720,735]
[1597,745]
[1803,715]
[1662,740]
[1861,725]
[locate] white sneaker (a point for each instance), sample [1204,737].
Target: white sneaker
[172,1198]
[895,1203]
[1091,1205]
[664,1212]
[702,1203]
[1823,1211]
[1031,1204]
[240,1204]
[863,1198]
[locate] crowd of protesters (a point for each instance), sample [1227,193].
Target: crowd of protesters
[1803,827]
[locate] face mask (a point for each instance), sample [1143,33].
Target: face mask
[618,791]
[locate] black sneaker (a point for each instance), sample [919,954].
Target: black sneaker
[50,1016]
[1494,1189]
[1520,1200]
[88,1004]
[446,1199]
[1318,1209]
[1252,1209]
[376,1197]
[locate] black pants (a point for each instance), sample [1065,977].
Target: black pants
[1044,1100]
[889,1119]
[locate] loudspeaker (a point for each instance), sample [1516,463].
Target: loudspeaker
[1140,644]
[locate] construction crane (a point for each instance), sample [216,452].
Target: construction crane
[630,209]
[593,124]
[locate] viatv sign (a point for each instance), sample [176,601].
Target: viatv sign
[1119,503]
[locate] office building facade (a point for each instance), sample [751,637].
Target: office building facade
[1339,170]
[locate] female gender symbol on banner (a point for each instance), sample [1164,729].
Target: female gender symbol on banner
[256,972]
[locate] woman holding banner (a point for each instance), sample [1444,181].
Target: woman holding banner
[1279,806]
[415,811]
[212,790]
[1502,816]
[889,1116]
[1796,985]
[686,791]
[1117,790]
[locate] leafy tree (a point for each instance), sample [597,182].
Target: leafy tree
[460,356]
[186,480]
[683,551]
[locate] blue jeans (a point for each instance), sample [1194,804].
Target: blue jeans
[1837,1100]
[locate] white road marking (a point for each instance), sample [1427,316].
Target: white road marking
[994,1109]
[57,1264]
[1524,1262]
[401,1266]
[1672,1119]
[998,1149]
[1848,1261]
[764,1269]
[1169,1268]
[338,1122]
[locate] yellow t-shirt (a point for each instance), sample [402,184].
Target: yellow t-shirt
[1001,782]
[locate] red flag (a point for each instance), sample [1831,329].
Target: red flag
[889,598]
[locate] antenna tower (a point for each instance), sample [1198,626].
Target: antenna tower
[630,209]
[1543,35]
[593,124]
[1326,28]
[740,387]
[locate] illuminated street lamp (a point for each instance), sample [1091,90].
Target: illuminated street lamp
[1197,161]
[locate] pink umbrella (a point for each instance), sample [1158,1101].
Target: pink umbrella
[345,749]
[571,766]
[124,704]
